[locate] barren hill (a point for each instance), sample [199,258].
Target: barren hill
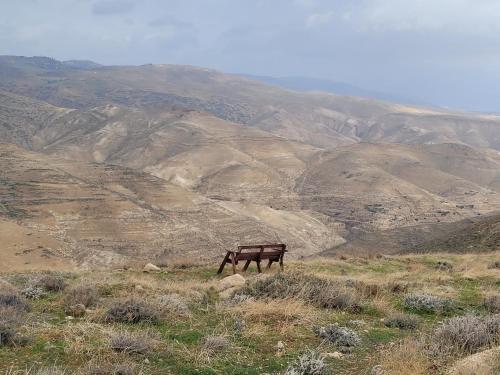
[121,163]
[94,214]
[320,119]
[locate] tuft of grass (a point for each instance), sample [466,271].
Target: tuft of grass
[52,283]
[406,357]
[466,334]
[492,303]
[342,337]
[131,343]
[13,301]
[132,311]
[173,304]
[428,303]
[402,321]
[317,291]
[216,343]
[81,294]
[310,363]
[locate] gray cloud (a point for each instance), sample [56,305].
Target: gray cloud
[444,51]
[107,7]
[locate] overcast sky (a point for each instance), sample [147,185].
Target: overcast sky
[445,52]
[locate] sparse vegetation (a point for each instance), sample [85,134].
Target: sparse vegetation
[343,337]
[131,343]
[216,343]
[173,304]
[51,283]
[492,303]
[132,311]
[466,334]
[33,292]
[319,292]
[311,363]
[266,326]
[428,303]
[81,294]
[401,321]
[13,301]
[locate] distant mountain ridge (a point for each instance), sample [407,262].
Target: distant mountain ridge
[335,87]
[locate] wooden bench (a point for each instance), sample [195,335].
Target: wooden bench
[256,253]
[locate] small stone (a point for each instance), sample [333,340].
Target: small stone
[146,361]
[232,281]
[280,349]
[378,370]
[150,267]
[139,288]
[336,355]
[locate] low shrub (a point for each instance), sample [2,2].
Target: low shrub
[132,311]
[216,343]
[402,321]
[428,303]
[397,287]
[492,303]
[131,343]
[173,304]
[444,266]
[14,301]
[495,264]
[311,363]
[52,283]
[82,294]
[466,334]
[342,337]
[317,291]
[7,333]
[33,292]
[126,368]
[54,370]
[239,325]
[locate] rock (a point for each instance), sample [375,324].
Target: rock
[228,293]
[76,311]
[378,370]
[232,281]
[479,363]
[139,288]
[150,267]
[280,349]
[336,355]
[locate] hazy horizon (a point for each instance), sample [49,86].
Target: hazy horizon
[442,52]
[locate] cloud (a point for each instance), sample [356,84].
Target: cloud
[318,19]
[169,20]
[110,7]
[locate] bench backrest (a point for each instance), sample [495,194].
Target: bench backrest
[263,248]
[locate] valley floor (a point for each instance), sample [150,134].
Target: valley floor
[396,312]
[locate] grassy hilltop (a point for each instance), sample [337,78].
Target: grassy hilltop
[415,314]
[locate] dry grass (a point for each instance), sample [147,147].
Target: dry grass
[187,309]
[404,358]
[81,294]
[282,311]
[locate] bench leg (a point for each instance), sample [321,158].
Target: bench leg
[246,265]
[223,264]
[269,264]
[258,267]
[233,262]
